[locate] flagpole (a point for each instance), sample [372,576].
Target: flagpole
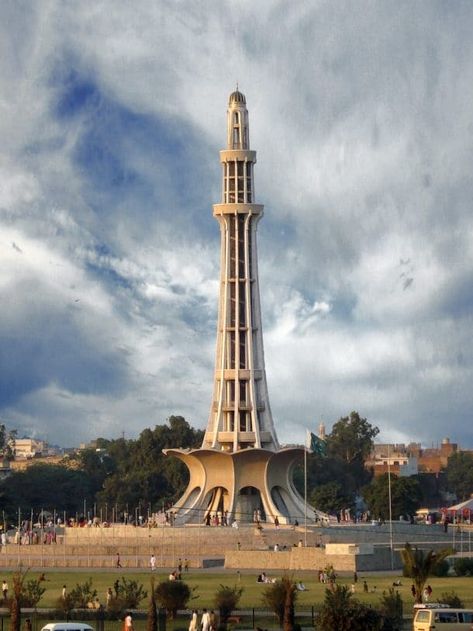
[305,497]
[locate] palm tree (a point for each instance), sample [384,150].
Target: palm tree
[337,609]
[289,600]
[18,580]
[152,618]
[419,565]
[280,597]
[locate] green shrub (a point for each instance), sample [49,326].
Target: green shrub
[364,618]
[441,569]
[226,600]
[82,594]
[173,595]
[32,593]
[130,593]
[452,599]
[342,612]
[337,606]
[463,567]
[392,610]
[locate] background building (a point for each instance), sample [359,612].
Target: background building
[410,459]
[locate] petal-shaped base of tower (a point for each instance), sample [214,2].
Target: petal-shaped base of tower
[240,485]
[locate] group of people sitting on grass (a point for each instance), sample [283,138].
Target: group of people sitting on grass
[262,578]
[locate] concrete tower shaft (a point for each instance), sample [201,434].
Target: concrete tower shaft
[240,471]
[240,414]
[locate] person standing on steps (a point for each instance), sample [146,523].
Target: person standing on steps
[152,562]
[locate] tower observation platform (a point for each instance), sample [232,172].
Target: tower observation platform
[240,471]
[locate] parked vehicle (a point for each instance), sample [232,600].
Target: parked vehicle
[442,618]
[67,626]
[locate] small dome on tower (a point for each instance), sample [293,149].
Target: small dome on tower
[236,97]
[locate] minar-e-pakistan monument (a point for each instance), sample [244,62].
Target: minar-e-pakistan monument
[240,467]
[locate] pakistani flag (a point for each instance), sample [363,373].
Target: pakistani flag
[316,445]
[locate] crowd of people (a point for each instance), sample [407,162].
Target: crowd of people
[30,536]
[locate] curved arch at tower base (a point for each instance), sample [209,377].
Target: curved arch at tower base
[240,485]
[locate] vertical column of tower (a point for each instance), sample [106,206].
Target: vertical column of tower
[240,414]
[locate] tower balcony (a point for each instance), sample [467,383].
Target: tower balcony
[226,438]
[242,155]
[234,209]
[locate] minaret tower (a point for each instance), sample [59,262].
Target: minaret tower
[240,468]
[240,415]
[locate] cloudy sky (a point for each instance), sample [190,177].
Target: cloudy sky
[112,114]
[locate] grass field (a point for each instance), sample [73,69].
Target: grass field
[205,583]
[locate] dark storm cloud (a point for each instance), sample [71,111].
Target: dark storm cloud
[41,343]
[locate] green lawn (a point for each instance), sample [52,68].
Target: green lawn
[206,583]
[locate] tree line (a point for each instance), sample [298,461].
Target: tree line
[119,476]
[133,476]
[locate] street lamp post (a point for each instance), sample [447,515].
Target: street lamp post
[390,511]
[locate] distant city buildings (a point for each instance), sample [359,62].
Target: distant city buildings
[26,448]
[406,460]
[28,451]
[90,445]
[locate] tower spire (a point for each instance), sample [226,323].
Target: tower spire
[240,469]
[240,414]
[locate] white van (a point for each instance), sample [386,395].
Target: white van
[67,626]
[442,618]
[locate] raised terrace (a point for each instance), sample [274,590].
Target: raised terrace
[361,546]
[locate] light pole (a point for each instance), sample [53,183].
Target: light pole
[390,511]
[305,496]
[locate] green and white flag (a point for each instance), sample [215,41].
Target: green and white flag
[315,444]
